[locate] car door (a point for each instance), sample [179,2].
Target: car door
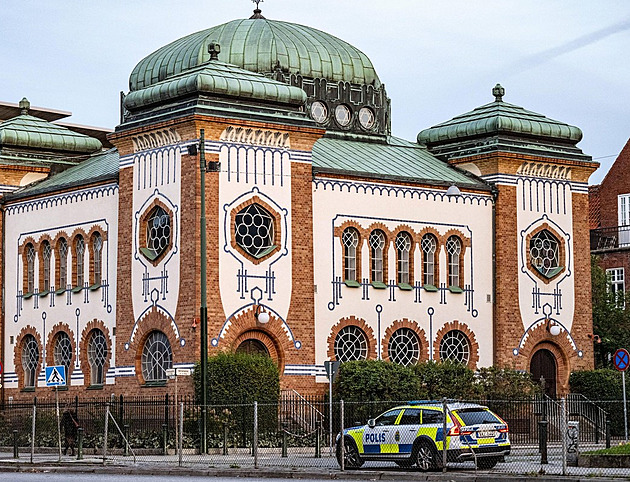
[379,439]
[406,430]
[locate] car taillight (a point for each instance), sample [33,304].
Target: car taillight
[504,429]
[454,431]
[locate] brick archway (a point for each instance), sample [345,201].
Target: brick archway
[17,354]
[83,346]
[352,321]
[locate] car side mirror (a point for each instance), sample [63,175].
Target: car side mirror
[371,423]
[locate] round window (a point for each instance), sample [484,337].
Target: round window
[350,344]
[366,118]
[343,115]
[404,347]
[319,112]
[455,347]
[158,227]
[254,230]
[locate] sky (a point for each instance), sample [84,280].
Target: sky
[566,59]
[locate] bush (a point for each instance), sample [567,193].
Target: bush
[506,384]
[446,379]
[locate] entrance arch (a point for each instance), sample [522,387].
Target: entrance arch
[544,364]
[252,346]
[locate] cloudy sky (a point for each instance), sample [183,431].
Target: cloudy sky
[567,59]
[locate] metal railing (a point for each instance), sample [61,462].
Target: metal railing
[610,238]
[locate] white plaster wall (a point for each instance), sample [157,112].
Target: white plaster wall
[157,176]
[545,201]
[335,203]
[83,208]
[249,171]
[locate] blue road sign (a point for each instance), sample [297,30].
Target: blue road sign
[621,360]
[56,376]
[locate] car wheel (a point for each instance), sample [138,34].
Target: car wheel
[352,459]
[405,464]
[487,462]
[425,456]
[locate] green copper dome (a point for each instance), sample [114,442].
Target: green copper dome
[260,45]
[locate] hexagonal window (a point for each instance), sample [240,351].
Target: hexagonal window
[157,230]
[254,231]
[544,254]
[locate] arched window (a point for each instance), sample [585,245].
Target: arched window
[97,256]
[377,247]
[350,344]
[455,346]
[79,250]
[62,260]
[429,248]
[157,357]
[97,356]
[350,240]
[30,268]
[30,361]
[454,251]
[45,268]
[544,253]
[403,248]
[62,351]
[404,347]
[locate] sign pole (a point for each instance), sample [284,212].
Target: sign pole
[58,422]
[625,406]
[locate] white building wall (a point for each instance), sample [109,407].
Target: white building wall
[81,209]
[339,201]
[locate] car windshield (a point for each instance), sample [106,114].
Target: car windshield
[476,416]
[388,418]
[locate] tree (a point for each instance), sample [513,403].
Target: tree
[611,318]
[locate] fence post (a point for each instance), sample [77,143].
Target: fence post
[445,432]
[607,433]
[126,445]
[564,435]
[225,439]
[33,429]
[342,440]
[284,444]
[255,444]
[80,443]
[106,430]
[318,449]
[542,441]
[181,432]
[16,452]
[164,439]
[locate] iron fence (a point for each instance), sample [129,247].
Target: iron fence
[292,433]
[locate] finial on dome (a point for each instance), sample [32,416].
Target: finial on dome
[214,49]
[257,11]
[24,105]
[498,93]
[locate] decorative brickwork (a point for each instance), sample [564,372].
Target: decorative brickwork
[472,341]
[352,321]
[412,325]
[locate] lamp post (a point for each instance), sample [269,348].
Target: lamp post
[204,302]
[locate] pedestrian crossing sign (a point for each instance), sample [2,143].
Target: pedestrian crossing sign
[56,376]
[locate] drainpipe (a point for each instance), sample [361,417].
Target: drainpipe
[495,196]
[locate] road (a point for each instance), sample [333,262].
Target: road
[59,477]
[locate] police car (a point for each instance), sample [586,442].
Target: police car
[414,434]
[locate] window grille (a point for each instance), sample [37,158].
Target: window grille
[544,252]
[158,233]
[46,252]
[62,351]
[404,347]
[80,253]
[254,230]
[63,264]
[455,347]
[30,268]
[97,264]
[403,248]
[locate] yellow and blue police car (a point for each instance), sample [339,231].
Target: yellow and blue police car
[414,434]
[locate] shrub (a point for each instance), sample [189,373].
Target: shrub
[506,384]
[446,379]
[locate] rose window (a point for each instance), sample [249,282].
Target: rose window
[254,230]
[158,226]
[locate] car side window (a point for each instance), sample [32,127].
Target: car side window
[388,418]
[432,416]
[411,416]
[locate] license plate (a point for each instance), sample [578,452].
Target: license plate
[487,434]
